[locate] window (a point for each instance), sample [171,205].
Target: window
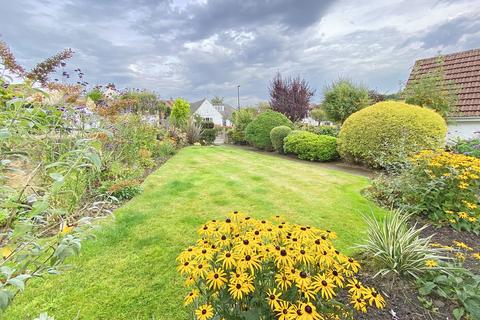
[208,119]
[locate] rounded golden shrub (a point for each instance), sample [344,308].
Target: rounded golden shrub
[387,133]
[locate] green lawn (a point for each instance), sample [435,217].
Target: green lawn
[128,272]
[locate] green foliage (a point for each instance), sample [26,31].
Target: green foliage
[432,90]
[209,133]
[241,118]
[165,149]
[396,247]
[458,285]
[131,135]
[277,135]
[387,133]
[257,132]
[193,131]
[95,94]
[343,98]
[318,114]
[310,146]
[320,130]
[442,186]
[121,189]
[216,100]
[180,112]
[468,147]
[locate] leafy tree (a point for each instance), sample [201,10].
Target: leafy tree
[343,98]
[241,118]
[318,114]
[433,91]
[217,101]
[290,97]
[180,112]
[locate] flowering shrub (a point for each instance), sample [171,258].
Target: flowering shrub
[243,268]
[446,187]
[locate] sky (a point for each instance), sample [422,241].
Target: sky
[206,48]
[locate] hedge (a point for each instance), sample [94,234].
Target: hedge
[310,146]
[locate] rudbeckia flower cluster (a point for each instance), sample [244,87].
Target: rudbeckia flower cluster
[452,181]
[243,266]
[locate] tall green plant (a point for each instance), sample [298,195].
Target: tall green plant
[432,90]
[396,247]
[180,112]
[343,98]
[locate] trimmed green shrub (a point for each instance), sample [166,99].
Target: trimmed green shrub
[310,146]
[257,133]
[387,133]
[277,135]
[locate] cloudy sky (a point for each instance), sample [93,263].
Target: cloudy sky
[197,49]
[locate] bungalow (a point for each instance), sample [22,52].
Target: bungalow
[220,115]
[462,69]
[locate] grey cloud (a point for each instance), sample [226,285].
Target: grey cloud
[208,48]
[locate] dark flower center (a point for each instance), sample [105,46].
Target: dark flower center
[228,255]
[303,274]
[215,276]
[200,266]
[257,232]
[224,237]
[324,283]
[303,228]
[204,251]
[204,311]
[245,242]
[374,294]
[228,220]
[350,260]
[302,251]
[294,239]
[186,263]
[283,252]
[248,258]
[335,273]
[317,241]
[238,286]
[299,312]
[308,309]
[272,297]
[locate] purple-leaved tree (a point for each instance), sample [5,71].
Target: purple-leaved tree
[290,96]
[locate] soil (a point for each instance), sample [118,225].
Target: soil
[402,296]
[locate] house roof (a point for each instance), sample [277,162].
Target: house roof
[227,111]
[461,68]
[195,105]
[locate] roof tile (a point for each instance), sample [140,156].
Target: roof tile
[463,69]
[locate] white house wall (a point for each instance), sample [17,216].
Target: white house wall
[463,128]
[207,110]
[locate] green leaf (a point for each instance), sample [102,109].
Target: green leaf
[426,288]
[458,313]
[473,307]
[56,176]
[5,297]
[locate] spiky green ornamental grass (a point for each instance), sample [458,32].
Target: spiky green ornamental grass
[396,246]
